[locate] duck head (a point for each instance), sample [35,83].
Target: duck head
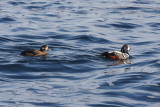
[44,48]
[125,49]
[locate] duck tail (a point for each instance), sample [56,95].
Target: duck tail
[105,54]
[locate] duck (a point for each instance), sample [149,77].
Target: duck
[118,55]
[36,52]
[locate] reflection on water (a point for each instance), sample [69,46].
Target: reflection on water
[119,62]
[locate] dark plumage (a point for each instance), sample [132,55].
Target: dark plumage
[35,52]
[123,54]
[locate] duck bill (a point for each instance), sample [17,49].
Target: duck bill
[129,49]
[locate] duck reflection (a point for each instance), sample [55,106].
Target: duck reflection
[119,62]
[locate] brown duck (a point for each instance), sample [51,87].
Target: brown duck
[35,52]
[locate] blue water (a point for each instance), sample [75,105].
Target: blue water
[77,32]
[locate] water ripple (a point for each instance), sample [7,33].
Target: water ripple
[89,38]
[16,3]
[125,25]
[143,2]
[129,8]
[6,20]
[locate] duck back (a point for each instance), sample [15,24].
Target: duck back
[32,52]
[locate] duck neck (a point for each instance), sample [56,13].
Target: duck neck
[42,50]
[124,51]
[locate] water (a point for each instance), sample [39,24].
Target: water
[77,31]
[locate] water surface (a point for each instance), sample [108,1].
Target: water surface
[73,74]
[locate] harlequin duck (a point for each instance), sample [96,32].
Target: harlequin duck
[35,52]
[123,54]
